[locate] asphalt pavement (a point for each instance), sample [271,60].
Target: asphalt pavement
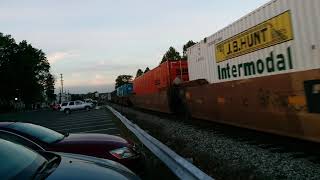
[93,121]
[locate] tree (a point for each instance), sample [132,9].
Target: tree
[147,69]
[24,72]
[31,71]
[171,54]
[122,79]
[186,46]
[75,97]
[49,88]
[8,48]
[139,73]
[91,95]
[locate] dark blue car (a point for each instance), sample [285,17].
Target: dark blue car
[19,162]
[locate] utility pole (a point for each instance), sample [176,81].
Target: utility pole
[60,96]
[61,80]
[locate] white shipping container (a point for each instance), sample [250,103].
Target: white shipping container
[198,61]
[280,37]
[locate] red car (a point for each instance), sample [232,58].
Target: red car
[55,107]
[99,145]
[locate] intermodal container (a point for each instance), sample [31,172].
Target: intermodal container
[282,36]
[263,71]
[125,90]
[161,77]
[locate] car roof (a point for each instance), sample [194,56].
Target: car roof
[5,124]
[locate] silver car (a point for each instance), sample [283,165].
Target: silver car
[67,107]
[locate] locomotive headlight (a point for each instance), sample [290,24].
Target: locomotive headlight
[122,153]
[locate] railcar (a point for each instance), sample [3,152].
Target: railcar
[122,95]
[153,90]
[263,71]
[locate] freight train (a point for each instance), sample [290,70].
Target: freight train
[262,72]
[153,90]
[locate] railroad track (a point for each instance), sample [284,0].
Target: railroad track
[288,152]
[274,143]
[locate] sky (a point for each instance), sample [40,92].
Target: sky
[92,42]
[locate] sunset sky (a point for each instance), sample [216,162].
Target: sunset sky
[92,42]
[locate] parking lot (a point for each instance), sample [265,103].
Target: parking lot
[93,121]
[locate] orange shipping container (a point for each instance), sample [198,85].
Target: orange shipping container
[161,77]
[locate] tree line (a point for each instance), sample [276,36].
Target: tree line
[171,54]
[24,74]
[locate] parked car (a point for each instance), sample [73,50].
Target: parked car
[67,107]
[94,102]
[20,162]
[99,145]
[55,107]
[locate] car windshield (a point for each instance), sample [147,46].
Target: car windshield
[78,102]
[64,104]
[41,133]
[18,162]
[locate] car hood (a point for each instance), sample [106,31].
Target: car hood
[88,138]
[74,166]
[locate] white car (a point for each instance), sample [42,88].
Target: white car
[94,102]
[67,107]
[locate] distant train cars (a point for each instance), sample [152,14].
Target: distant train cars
[152,89]
[125,90]
[122,95]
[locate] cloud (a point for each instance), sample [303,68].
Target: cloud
[99,80]
[80,83]
[86,78]
[58,56]
[75,75]
[90,88]
[103,66]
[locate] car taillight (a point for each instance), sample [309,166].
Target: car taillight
[122,153]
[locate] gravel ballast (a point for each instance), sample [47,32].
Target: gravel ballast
[222,156]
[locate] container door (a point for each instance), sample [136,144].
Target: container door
[312,91]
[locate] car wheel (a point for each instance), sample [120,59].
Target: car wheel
[87,108]
[67,111]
